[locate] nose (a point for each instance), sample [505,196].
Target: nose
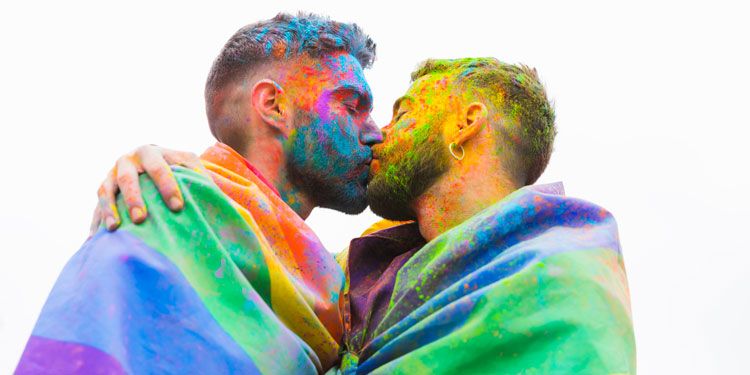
[371,134]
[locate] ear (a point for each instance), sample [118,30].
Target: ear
[472,123]
[268,101]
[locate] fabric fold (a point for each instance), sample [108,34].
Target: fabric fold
[534,283]
[234,283]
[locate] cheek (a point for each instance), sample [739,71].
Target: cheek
[342,134]
[319,146]
[406,126]
[343,144]
[329,144]
[323,110]
[397,147]
[328,109]
[308,135]
[407,134]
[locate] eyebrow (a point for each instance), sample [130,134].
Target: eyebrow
[397,104]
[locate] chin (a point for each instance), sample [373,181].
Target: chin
[402,213]
[354,210]
[387,203]
[348,206]
[350,199]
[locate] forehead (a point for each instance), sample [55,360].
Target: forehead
[328,72]
[431,88]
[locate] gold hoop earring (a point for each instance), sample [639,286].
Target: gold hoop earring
[452,146]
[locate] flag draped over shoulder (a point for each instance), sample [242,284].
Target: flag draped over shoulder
[234,283]
[532,284]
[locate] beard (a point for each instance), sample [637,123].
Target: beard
[331,178]
[348,197]
[404,175]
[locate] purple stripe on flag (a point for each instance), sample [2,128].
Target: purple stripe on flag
[62,357]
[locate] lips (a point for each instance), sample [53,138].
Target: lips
[374,166]
[361,169]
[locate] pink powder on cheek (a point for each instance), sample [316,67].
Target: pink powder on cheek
[323,106]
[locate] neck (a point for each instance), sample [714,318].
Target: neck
[456,197]
[269,159]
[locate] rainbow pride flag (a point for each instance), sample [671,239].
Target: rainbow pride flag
[234,283]
[534,284]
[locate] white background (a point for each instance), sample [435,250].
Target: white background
[651,106]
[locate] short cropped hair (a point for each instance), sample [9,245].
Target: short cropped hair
[515,91]
[284,37]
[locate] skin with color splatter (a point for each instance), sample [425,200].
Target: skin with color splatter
[315,145]
[328,151]
[496,118]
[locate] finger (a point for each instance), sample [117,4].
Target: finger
[107,201]
[128,183]
[154,163]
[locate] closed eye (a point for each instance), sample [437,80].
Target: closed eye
[401,106]
[398,116]
[352,109]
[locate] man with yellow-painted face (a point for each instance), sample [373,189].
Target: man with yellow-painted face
[477,270]
[490,274]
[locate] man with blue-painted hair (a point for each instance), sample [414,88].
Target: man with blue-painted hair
[235,281]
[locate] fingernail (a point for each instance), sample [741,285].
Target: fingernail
[175,203]
[110,221]
[137,214]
